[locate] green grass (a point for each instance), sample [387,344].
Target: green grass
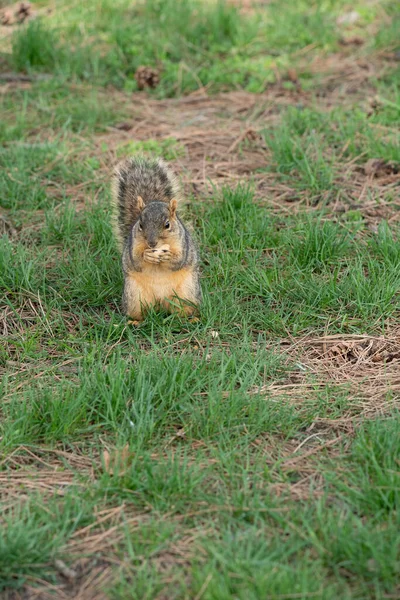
[193,43]
[168,148]
[239,468]
[54,106]
[133,387]
[308,144]
[30,540]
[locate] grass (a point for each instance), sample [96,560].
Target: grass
[254,453]
[167,148]
[213,45]
[55,106]
[308,143]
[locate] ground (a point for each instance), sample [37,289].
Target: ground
[253,453]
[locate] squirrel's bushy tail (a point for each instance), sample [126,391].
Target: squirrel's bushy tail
[150,179]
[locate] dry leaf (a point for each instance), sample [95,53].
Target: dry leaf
[117,463]
[106,460]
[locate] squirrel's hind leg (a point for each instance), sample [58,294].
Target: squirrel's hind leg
[131,304]
[187,296]
[189,310]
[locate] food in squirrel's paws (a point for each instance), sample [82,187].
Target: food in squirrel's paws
[161,250]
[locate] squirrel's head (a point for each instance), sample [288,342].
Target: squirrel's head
[157,221]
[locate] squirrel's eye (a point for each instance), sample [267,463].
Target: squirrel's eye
[167,225]
[140,227]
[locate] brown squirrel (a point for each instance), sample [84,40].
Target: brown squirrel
[159,258]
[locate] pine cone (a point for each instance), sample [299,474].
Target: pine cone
[24,11]
[147,77]
[16,14]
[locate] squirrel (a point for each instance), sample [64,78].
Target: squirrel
[160,260]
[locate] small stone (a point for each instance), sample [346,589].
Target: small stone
[348,18]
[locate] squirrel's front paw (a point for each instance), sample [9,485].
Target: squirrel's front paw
[166,255]
[151,256]
[164,252]
[156,255]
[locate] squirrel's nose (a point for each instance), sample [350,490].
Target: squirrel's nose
[152,243]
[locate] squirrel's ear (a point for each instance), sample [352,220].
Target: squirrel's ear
[173,204]
[140,203]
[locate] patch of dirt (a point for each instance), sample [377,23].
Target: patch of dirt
[92,576]
[50,472]
[365,368]
[223,139]
[212,131]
